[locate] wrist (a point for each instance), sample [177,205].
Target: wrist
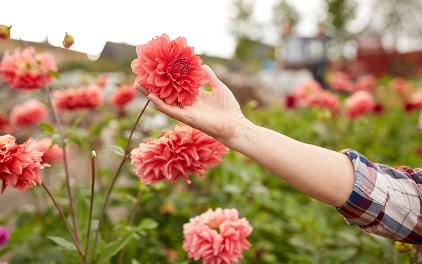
[243,136]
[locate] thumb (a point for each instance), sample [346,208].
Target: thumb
[214,82]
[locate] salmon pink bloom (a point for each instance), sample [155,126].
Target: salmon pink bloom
[174,154]
[415,100]
[22,69]
[169,69]
[5,125]
[50,153]
[358,104]
[29,113]
[340,81]
[324,100]
[4,235]
[19,164]
[366,82]
[400,86]
[217,235]
[124,95]
[305,89]
[76,99]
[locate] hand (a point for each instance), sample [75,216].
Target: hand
[216,113]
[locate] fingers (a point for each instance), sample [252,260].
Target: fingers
[143,90]
[214,81]
[172,111]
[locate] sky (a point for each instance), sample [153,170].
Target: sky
[204,23]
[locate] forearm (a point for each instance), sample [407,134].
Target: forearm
[323,174]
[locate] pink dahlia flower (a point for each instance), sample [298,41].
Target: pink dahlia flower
[75,99]
[174,154]
[19,164]
[400,86]
[5,125]
[169,69]
[30,112]
[21,69]
[366,82]
[50,153]
[124,95]
[306,89]
[4,235]
[341,82]
[415,100]
[324,100]
[217,236]
[358,104]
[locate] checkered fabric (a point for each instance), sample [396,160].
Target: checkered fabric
[385,201]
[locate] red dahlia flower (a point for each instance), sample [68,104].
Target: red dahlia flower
[400,86]
[169,70]
[358,104]
[124,95]
[19,164]
[50,153]
[28,113]
[174,154]
[75,99]
[217,235]
[21,69]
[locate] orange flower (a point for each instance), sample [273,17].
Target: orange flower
[19,164]
[169,70]
[124,95]
[21,70]
[28,113]
[174,154]
[74,99]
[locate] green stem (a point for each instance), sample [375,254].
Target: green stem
[93,155]
[65,222]
[125,157]
[131,219]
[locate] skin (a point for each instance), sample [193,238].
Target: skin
[323,174]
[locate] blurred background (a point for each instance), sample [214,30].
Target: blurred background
[263,50]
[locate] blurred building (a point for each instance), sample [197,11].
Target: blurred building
[64,56]
[374,58]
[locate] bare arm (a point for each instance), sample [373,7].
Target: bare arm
[323,174]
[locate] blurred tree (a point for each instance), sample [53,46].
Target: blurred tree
[339,13]
[284,12]
[397,19]
[250,51]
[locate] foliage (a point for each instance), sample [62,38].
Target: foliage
[289,227]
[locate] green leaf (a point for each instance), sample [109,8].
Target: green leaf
[63,243]
[54,74]
[148,223]
[116,149]
[47,128]
[78,119]
[113,248]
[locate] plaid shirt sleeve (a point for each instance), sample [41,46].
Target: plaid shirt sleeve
[385,201]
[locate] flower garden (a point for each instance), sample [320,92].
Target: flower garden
[126,202]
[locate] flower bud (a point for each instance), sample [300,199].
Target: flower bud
[4,32]
[68,41]
[403,247]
